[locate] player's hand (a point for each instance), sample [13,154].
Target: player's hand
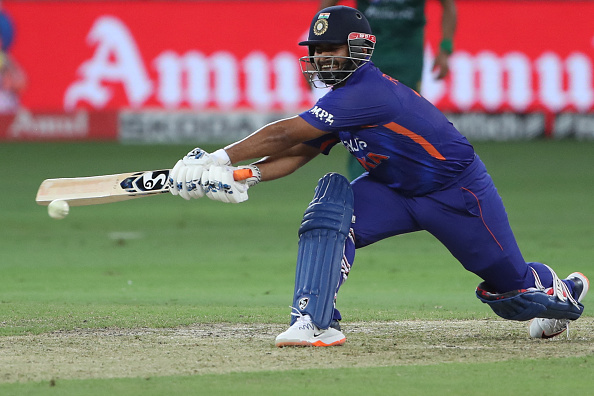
[184,178]
[219,185]
[256,175]
[441,66]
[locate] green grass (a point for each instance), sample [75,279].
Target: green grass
[204,261]
[550,377]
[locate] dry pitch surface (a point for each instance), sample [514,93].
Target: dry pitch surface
[225,348]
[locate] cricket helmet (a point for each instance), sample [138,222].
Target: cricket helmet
[337,25]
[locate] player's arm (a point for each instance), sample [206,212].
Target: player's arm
[219,182]
[449,21]
[279,145]
[274,140]
[286,162]
[327,3]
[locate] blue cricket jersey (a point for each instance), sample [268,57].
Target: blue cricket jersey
[398,136]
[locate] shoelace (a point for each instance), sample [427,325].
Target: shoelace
[303,321]
[297,313]
[559,290]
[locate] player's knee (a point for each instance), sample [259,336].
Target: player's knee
[528,304]
[331,207]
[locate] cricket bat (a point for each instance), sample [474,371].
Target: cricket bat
[94,190]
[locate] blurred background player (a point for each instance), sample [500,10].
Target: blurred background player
[422,174]
[12,76]
[400,30]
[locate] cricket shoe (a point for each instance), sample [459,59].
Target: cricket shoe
[548,328]
[305,333]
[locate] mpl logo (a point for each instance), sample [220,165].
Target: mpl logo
[322,115]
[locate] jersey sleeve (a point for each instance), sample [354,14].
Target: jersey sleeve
[324,143]
[350,108]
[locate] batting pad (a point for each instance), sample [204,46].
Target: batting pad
[322,237]
[528,304]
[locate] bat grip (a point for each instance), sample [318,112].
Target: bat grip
[242,174]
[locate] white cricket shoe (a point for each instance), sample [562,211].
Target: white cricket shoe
[548,328]
[304,333]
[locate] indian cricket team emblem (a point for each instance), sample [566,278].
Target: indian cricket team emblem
[321,24]
[303,303]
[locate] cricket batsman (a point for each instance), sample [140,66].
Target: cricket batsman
[421,174]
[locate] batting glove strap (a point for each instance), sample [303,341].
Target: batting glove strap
[196,154]
[221,157]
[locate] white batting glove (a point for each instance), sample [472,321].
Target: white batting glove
[185,177]
[219,185]
[256,175]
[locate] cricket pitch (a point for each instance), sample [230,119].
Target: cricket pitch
[225,348]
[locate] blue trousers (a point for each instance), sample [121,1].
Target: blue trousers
[467,217]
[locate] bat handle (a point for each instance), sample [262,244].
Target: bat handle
[242,174]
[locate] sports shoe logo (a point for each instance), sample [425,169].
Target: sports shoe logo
[303,303]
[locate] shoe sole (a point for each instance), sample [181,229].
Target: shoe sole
[546,337]
[318,343]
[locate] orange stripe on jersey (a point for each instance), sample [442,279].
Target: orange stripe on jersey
[418,139]
[327,143]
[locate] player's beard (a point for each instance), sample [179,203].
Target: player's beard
[335,75]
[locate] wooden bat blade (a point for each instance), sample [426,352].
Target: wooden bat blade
[78,191]
[94,190]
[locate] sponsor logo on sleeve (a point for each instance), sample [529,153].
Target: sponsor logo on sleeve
[322,115]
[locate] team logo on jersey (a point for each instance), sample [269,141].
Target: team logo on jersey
[321,24]
[322,115]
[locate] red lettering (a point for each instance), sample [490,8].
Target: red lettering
[366,165]
[390,78]
[372,160]
[377,158]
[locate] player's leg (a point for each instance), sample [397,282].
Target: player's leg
[326,260]
[474,228]
[322,236]
[470,220]
[547,327]
[348,259]
[379,213]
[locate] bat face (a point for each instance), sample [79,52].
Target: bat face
[78,191]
